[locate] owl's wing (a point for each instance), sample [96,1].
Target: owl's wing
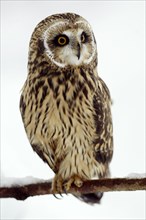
[41,150]
[103,142]
[46,156]
[103,121]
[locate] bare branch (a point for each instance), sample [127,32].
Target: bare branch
[101,185]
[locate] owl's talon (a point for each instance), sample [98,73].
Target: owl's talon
[60,194]
[57,185]
[64,190]
[56,196]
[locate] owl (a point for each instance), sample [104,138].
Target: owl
[65,105]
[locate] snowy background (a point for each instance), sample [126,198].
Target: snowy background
[120,34]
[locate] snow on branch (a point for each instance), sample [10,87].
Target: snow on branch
[35,187]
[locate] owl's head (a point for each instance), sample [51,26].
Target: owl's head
[65,40]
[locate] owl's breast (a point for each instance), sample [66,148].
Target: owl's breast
[60,120]
[64,118]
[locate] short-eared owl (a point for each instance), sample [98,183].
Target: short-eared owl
[65,105]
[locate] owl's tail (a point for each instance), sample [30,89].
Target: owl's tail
[91,198]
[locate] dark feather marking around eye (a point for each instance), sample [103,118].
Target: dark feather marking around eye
[84,37]
[61,40]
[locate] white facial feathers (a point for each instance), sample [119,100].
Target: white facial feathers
[74,52]
[46,34]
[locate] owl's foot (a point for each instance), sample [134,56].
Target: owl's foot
[59,185]
[76,180]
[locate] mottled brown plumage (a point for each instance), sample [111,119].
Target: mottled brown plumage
[65,106]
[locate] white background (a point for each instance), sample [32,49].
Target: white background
[120,34]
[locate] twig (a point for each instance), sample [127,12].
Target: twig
[102,185]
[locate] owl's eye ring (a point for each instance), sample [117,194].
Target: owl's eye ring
[61,40]
[84,37]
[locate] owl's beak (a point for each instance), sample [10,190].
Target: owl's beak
[78,51]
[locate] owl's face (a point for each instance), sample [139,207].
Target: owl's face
[69,42]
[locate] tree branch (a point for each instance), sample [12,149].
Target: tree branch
[100,185]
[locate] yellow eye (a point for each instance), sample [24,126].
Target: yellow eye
[83,37]
[62,40]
